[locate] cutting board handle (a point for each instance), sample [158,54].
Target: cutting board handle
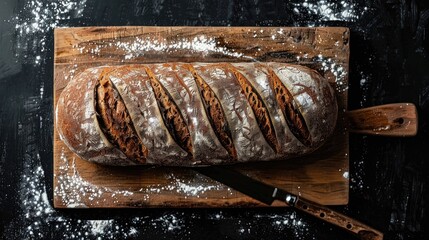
[396,120]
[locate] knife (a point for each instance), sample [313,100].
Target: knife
[269,194]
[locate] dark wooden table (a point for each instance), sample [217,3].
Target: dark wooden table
[389,60]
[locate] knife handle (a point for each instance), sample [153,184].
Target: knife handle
[395,120]
[357,228]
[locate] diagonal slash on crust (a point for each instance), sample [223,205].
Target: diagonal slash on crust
[293,116]
[259,108]
[171,115]
[215,113]
[115,121]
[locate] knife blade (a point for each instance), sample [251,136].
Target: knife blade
[268,194]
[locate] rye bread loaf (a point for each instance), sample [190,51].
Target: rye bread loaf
[187,114]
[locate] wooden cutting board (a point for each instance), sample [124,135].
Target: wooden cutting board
[321,176]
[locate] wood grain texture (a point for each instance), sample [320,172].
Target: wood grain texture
[395,120]
[321,177]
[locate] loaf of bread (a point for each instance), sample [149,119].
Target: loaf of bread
[188,114]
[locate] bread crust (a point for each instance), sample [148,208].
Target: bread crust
[242,117]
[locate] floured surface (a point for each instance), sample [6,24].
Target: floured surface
[321,177]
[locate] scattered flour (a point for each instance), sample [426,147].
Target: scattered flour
[33,27]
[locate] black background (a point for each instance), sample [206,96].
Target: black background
[388,176]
